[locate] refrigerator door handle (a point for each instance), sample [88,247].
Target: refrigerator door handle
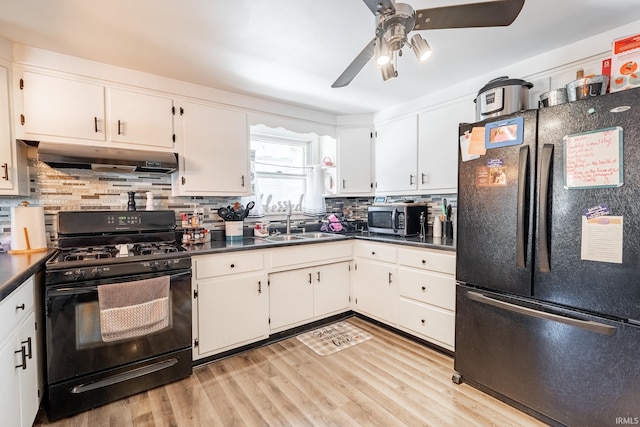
[521,245]
[588,325]
[545,175]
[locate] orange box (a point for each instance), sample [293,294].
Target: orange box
[625,60]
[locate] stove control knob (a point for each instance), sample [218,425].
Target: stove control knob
[168,263]
[154,265]
[78,274]
[96,272]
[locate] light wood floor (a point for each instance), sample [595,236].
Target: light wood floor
[386,381]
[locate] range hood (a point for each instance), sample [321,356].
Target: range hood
[106,159]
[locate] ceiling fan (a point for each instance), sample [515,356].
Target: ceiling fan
[395,20]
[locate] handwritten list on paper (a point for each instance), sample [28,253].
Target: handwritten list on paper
[594,159]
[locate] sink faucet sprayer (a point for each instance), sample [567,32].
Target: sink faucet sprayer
[289,218]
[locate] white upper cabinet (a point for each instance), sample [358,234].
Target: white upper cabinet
[60,107]
[355,176]
[438,145]
[214,159]
[141,118]
[396,150]
[14,179]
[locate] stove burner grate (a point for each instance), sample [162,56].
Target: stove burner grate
[87,253]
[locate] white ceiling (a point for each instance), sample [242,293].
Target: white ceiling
[293,50]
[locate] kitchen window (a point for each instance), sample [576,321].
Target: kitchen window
[281,166]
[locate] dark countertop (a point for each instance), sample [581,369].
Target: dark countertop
[15,269]
[217,246]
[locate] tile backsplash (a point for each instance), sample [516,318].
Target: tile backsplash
[80,189]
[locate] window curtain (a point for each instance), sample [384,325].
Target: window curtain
[314,202]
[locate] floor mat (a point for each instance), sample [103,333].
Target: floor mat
[333,338]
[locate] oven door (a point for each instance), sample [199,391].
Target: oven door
[74,342]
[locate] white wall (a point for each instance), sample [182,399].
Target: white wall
[550,70]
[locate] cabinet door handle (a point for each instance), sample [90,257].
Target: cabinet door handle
[422,177]
[5,175]
[119,127]
[310,278]
[242,180]
[344,184]
[29,354]
[95,124]
[390,278]
[318,277]
[23,356]
[259,287]
[410,179]
[20,307]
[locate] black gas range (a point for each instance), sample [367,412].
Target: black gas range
[102,251]
[105,244]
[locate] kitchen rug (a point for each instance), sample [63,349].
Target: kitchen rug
[333,338]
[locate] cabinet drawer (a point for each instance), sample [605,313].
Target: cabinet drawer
[15,308]
[221,265]
[377,251]
[306,254]
[428,259]
[428,287]
[428,321]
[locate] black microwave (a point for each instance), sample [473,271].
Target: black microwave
[402,219]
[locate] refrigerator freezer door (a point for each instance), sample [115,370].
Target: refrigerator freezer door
[576,369]
[495,221]
[561,275]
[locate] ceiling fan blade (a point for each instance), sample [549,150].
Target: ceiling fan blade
[356,65]
[490,14]
[380,6]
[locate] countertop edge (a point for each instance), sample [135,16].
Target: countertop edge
[16,269]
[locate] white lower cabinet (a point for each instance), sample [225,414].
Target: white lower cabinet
[231,302]
[300,295]
[427,295]
[410,289]
[376,290]
[18,358]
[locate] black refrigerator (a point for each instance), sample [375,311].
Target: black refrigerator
[548,261]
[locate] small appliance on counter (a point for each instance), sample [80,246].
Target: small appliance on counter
[27,229]
[401,219]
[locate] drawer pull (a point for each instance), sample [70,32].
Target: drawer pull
[423,322]
[20,307]
[232,266]
[424,289]
[424,261]
[373,252]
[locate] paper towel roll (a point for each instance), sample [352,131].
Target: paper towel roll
[27,229]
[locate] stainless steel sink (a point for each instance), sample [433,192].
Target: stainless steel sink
[301,236]
[318,235]
[284,238]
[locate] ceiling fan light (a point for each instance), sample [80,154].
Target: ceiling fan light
[420,47]
[381,52]
[388,72]
[396,36]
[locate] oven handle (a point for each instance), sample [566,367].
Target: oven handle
[78,290]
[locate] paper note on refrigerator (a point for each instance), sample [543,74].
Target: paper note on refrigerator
[602,239]
[465,140]
[476,145]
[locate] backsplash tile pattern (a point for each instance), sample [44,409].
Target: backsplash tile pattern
[79,189]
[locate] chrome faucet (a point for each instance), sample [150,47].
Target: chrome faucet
[289,218]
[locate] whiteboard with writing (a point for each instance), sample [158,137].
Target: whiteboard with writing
[594,159]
